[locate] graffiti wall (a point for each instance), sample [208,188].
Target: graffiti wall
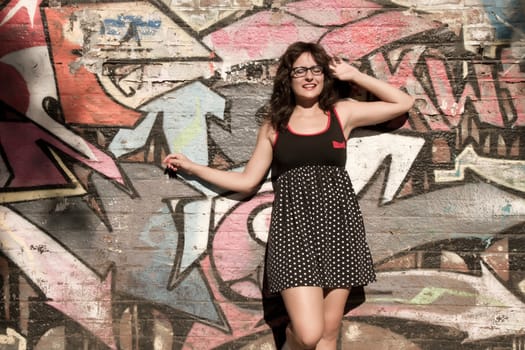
[99,249]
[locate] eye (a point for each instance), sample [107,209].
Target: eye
[317,69]
[299,70]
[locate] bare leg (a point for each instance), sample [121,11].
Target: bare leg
[305,309]
[333,308]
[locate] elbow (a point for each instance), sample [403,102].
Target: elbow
[244,190]
[250,189]
[247,188]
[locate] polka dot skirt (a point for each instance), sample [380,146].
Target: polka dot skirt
[317,235]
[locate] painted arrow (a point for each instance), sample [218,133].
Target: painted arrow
[504,172]
[18,150]
[156,243]
[184,122]
[70,286]
[480,306]
[367,154]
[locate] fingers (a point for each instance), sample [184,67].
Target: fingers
[335,60]
[167,158]
[177,161]
[340,58]
[172,160]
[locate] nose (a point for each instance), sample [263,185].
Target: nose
[309,75]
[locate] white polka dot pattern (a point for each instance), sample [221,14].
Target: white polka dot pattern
[317,235]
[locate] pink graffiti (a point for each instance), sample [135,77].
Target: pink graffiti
[483,96]
[263,35]
[332,12]
[481,89]
[368,37]
[361,38]
[402,75]
[233,236]
[30,161]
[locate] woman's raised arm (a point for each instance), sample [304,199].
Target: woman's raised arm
[246,181]
[392,102]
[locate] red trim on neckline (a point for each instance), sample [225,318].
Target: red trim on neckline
[275,138]
[315,133]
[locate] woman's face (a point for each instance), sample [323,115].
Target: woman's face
[307,78]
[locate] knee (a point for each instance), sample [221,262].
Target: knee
[308,335]
[308,340]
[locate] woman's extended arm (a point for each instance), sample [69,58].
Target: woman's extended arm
[393,102]
[246,181]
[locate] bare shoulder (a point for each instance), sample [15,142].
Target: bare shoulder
[345,106]
[344,109]
[267,131]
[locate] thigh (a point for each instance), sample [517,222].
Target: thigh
[334,306]
[305,308]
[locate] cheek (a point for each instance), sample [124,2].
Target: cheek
[295,86]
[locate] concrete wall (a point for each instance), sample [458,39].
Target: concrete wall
[100,250]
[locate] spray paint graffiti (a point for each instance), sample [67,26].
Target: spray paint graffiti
[100,250]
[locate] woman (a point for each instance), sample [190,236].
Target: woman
[316,247]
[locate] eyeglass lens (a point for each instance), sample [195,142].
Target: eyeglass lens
[298,72]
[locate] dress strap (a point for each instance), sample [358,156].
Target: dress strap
[341,128]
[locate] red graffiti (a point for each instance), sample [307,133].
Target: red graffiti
[82,98]
[18,94]
[20,27]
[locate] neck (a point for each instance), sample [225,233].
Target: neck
[308,110]
[307,103]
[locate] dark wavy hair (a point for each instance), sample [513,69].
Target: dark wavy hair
[282,101]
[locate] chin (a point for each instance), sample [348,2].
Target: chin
[311,96]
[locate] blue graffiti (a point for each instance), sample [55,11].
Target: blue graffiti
[506,16]
[119,26]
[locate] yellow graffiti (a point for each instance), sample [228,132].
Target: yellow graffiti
[188,134]
[429,296]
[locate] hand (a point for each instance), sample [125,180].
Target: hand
[343,70]
[178,161]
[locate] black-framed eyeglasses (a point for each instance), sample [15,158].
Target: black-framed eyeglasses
[299,72]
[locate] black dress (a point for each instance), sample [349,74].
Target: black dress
[317,235]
